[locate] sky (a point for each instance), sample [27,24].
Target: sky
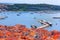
[54,2]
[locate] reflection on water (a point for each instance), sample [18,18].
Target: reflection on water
[29,18]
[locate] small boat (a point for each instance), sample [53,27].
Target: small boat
[56,17]
[44,22]
[18,14]
[3,17]
[31,13]
[33,26]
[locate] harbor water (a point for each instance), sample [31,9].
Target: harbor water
[30,18]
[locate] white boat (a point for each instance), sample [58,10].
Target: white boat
[3,17]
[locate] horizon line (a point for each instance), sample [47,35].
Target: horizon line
[26,3]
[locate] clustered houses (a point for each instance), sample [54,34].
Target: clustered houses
[20,32]
[3,7]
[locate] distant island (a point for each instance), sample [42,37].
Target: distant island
[28,7]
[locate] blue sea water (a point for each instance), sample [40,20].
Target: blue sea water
[29,18]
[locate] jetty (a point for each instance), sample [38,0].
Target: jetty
[45,24]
